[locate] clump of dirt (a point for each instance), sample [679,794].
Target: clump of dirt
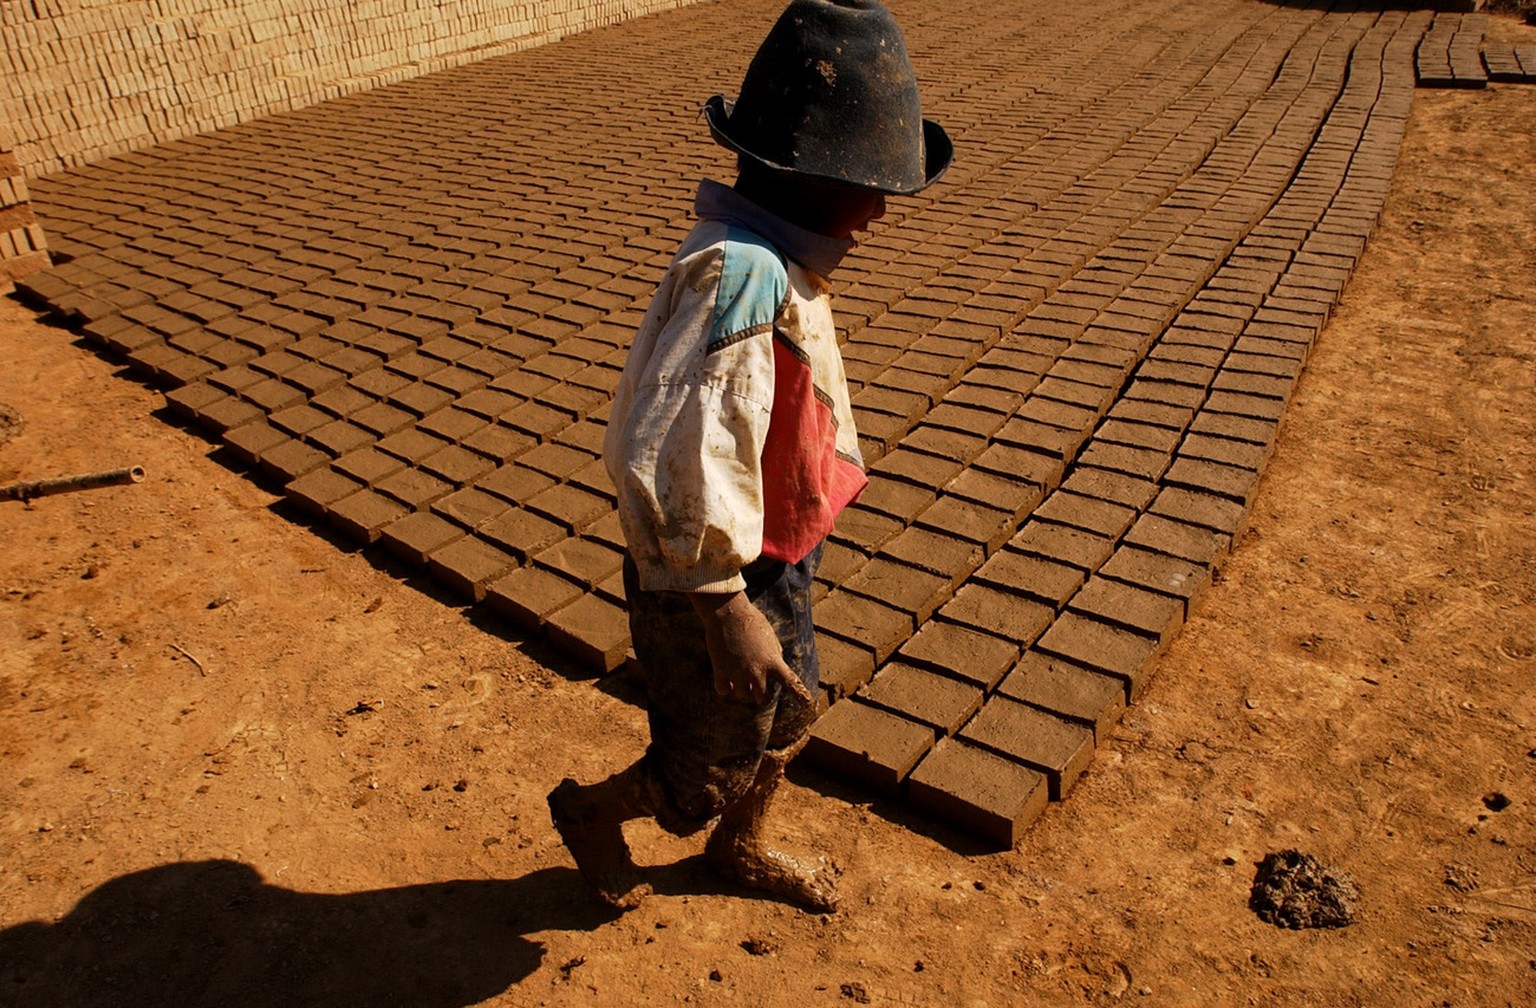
[10,423]
[1296,890]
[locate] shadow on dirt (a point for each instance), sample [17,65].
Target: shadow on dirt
[208,933]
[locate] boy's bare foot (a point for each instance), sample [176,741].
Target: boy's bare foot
[747,860]
[597,844]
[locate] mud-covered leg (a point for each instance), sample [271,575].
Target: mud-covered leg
[738,850]
[590,820]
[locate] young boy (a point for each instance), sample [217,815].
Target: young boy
[732,448]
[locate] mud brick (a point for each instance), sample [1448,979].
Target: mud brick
[290,459]
[515,481]
[1055,413]
[905,406]
[585,561]
[878,628]
[867,745]
[1057,748]
[318,489]
[536,418]
[1105,376]
[844,666]
[1233,482]
[1097,645]
[457,465]
[368,465]
[413,488]
[1205,510]
[917,468]
[1080,549]
[299,420]
[948,444]
[1067,690]
[527,596]
[361,515]
[455,381]
[452,423]
[1137,435]
[420,398]
[381,418]
[311,377]
[487,403]
[593,630]
[964,519]
[416,536]
[342,400]
[916,694]
[1243,404]
[1042,438]
[976,791]
[470,507]
[1010,497]
[1177,539]
[569,505]
[901,586]
[376,383]
[272,395]
[1087,513]
[522,532]
[499,443]
[1021,464]
[895,498]
[947,556]
[411,445]
[248,441]
[1044,581]
[865,529]
[1272,386]
[1002,613]
[188,400]
[1225,425]
[1144,463]
[556,460]
[1157,572]
[1117,488]
[467,565]
[1225,451]
[1176,418]
[339,437]
[838,562]
[1128,606]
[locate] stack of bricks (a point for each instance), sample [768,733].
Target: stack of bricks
[23,250]
[1450,55]
[81,82]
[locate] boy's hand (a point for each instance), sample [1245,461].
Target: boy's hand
[743,648]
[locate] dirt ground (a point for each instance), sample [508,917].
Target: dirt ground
[242,765]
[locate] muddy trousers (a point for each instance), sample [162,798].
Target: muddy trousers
[706,748]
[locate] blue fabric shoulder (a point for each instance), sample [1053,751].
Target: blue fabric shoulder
[753,284]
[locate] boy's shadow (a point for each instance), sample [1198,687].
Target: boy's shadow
[214,933]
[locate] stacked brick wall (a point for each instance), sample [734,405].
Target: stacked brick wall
[22,249]
[81,80]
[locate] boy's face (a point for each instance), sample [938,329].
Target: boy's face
[855,213]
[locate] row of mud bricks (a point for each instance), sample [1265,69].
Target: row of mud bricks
[1067,375]
[1454,55]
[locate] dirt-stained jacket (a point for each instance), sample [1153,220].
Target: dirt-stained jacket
[731,435]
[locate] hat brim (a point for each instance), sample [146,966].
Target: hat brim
[938,150]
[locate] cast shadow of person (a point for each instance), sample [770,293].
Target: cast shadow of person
[214,933]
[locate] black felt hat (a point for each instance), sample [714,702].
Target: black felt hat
[831,94]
